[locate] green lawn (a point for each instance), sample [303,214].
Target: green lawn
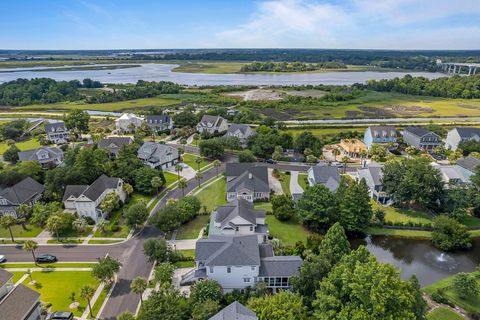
[471,304]
[302,181]
[267,206]
[471,221]
[93,241]
[101,298]
[184,264]
[188,253]
[401,233]
[288,232]
[22,145]
[214,195]
[285,182]
[69,241]
[71,233]
[170,178]
[56,288]
[393,214]
[189,159]
[326,131]
[444,313]
[49,265]
[16,275]
[18,231]
[191,229]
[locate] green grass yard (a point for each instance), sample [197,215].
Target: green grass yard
[22,145]
[16,275]
[214,195]
[189,159]
[18,231]
[444,313]
[401,233]
[394,214]
[302,181]
[49,265]
[191,229]
[289,232]
[170,178]
[267,206]
[285,182]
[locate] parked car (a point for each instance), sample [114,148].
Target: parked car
[45,258]
[271,161]
[2,258]
[61,315]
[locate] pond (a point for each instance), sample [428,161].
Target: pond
[420,257]
[159,72]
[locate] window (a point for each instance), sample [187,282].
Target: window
[211,269]
[246,279]
[253,268]
[229,269]
[251,228]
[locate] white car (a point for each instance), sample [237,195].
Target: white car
[2,258]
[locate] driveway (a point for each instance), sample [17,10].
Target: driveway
[275,184]
[295,188]
[187,172]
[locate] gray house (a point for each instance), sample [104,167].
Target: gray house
[157,155]
[18,302]
[373,175]
[468,166]
[247,181]
[458,135]
[212,124]
[46,156]
[114,144]
[235,311]
[421,138]
[240,131]
[57,132]
[326,175]
[27,191]
[159,122]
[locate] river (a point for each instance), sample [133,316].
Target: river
[163,72]
[421,258]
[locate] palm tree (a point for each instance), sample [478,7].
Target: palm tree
[217,164]
[199,177]
[179,169]
[138,286]
[102,224]
[87,292]
[182,184]
[335,153]
[345,161]
[198,160]
[30,245]
[157,182]
[7,221]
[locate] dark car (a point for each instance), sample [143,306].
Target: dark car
[64,315]
[45,258]
[271,161]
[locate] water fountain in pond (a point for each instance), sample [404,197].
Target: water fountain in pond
[441,260]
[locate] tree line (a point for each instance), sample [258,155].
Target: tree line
[296,66]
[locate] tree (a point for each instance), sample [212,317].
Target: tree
[157,250]
[211,148]
[30,168]
[277,154]
[178,169]
[11,154]
[166,219]
[317,207]
[163,273]
[307,140]
[205,310]
[198,161]
[7,221]
[378,152]
[182,184]
[312,271]
[138,286]
[465,285]
[334,245]
[217,164]
[102,224]
[143,179]
[79,225]
[281,306]
[105,269]
[87,292]
[355,209]
[199,177]
[24,210]
[205,290]
[77,120]
[166,303]
[110,202]
[336,153]
[157,182]
[345,162]
[246,156]
[359,287]
[127,188]
[136,215]
[126,316]
[42,211]
[283,207]
[30,245]
[449,234]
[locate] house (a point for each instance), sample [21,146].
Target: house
[17,302]
[27,191]
[128,122]
[468,165]
[159,122]
[379,134]
[57,132]
[233,112]
[458,135]
[158,155]
[114,144]
[212,124]
[353,148]
[239,218]
[373,175]
[421,138]
[452,175]
[85,200]
[240,131]
[235,311]
[247,181]
[46,156]
[324,174]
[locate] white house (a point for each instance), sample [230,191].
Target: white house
[212,124]
[373,174]
[85,200]
[128,122]
[379,134]
[158,155]
[458,135]
[240,131]
[46,156]
[247,181]
[57,132]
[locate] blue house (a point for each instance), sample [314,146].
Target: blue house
[380,134]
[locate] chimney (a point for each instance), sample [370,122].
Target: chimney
[250,176]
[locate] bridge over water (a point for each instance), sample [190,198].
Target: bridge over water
[460,68]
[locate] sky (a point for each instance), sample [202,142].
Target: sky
[160,24]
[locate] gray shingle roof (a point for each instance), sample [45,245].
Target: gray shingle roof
[156,152]
[243,128]
[228,250]
[93,191]
[248,176]
[238,208]
[418,131]
[33,154]
[74,190]
[52,127]
[467,132]
[470,163]
[280,266]
[4,277]
[22,191]
[326,175]
[19,303]
[211,121]
[235,311]
[114,143]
